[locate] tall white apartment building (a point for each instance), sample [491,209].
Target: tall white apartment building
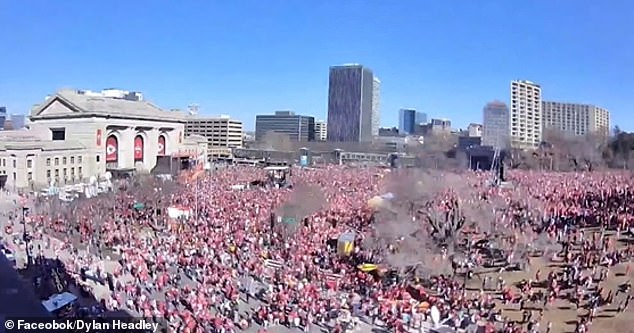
[576,119]
[321,130]
[495,125]
[376,105]
[526,115]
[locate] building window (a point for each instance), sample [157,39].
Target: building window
[97,158]
[56,173]
[15,163]
[65,173]
[72,172]
[79,171]
[29,163]
[58,134]
[64,160]
[56,161]
[72,160]
[48,174]
[79,159]
[48,161]
[30,176]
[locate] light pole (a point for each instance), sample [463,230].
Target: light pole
[25,237]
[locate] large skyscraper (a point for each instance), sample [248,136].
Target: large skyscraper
[576,119]
[495,125]
[407,121]
[350,92]
[376,106]
[526,115]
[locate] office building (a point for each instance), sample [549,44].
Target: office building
[18,120]
[350,90]
[435,127]
[390,131]
[421,118]
[440,125]
[297,127]
[526,115]
[495,127]
[407,121]
[474,130]
[321,130]
[376,106]
[221,133]
[575,119]
[3,116]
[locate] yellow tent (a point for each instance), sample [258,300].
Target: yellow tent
[367,267]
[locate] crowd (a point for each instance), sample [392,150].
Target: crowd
[232,266]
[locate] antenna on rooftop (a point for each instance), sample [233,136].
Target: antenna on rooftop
[193,109]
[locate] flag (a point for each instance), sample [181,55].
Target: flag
[198,171]
[275,264]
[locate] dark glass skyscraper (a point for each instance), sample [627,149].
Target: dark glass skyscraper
[350,90]
[407,121]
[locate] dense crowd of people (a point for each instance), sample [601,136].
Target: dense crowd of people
[232,264]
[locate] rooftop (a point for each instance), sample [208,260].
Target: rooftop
[38,138]
[103,105]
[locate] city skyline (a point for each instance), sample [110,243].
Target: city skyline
[462,63]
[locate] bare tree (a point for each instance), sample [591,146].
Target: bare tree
[427,217]
[577,152]
[435,150]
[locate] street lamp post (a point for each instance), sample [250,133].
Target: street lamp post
[25,237]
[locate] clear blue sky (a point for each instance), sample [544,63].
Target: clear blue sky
[446,58]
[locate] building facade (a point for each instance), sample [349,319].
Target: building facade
[474,130]
[321,130]
[376,106]
[390,131]
[440,125]
[526,115]
[222,133]
[575,119]
[421,118]
[3,116]
[297,127]
[407,121]
[75,135]
[350,91]
[495,127]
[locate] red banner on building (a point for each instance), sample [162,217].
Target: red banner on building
[138,148]
[112,149]
[161,145]
[99,138]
